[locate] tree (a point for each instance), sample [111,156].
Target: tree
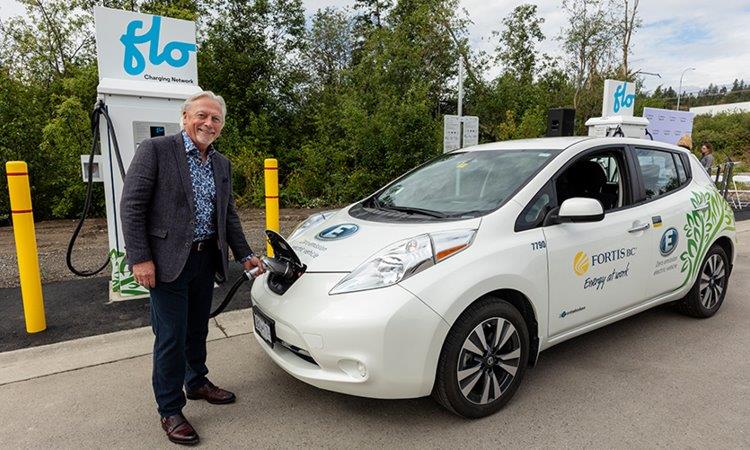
[729,133]
[386,118]
[177,9]
[251,54]
[518,40]
[23,114]
[328,51]
[372,12]
[588,40]
[52,38]
[625,28]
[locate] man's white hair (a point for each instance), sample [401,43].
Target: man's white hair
[203,94]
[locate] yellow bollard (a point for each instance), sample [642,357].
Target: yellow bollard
[271,174]
[28,259]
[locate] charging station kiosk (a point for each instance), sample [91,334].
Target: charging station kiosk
[147,68]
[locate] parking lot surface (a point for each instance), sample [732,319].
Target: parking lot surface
[658,379]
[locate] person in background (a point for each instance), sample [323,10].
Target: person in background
[686,142]
[707,155]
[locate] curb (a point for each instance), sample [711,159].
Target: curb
[29,363]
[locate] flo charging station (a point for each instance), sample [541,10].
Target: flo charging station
[617,118]
[147,68]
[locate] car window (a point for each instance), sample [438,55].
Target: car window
[659,172]
[599,176]
[533,215]
[680,168]
[611,169]
[468,183]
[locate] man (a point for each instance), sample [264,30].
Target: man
[178,218]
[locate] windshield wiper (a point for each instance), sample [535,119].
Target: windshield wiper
[412,210]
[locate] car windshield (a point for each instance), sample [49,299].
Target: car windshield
[463,184]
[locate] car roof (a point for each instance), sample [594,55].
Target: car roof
[562,143]
[548,143]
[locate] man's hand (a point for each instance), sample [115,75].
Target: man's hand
[254,262]
[145,274]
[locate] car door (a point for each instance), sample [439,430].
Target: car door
[597,268]
[664,181]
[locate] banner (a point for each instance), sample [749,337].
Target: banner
[666,125]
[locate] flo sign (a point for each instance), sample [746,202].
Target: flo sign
[619,98]
[134,46]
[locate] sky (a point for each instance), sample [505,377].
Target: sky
[711,36]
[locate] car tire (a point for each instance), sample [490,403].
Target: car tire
[710,287]
[476,385]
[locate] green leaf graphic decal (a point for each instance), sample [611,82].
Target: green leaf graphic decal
[122,279]
[702,228]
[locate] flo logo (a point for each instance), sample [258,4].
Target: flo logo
[581,263]
[668,241]
[622,100]
[338,232]
[175,53]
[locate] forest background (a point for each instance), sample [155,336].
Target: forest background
[346,100]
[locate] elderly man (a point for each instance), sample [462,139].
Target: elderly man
[178,218]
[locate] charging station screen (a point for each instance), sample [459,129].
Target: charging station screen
[146,130]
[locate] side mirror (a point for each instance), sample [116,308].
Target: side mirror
[580,209]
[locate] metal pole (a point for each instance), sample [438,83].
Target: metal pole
[460,121]
[679,90]
[271,172]
[26,250]
[460,86]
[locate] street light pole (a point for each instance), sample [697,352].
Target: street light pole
[679,90]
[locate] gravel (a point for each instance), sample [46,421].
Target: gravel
[91,247]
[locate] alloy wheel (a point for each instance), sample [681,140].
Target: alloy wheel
[488,361]
[713,281]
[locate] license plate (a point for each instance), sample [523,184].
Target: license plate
[263,326]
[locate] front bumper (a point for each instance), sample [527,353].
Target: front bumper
[382,343]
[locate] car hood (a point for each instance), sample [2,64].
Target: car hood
[341,242]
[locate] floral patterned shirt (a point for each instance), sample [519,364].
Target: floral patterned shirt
[204,190]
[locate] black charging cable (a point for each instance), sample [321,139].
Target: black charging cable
[246,276]
[100,109]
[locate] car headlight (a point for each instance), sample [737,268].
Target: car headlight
[310,222]
[403,259]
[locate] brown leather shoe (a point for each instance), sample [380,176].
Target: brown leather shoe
[212,394]
[179,430]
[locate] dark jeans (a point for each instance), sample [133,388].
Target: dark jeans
[179,319]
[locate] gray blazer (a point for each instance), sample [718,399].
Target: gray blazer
[157,209]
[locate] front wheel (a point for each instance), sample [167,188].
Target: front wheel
[708,292]
[483,359]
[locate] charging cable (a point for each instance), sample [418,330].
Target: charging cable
[100,109]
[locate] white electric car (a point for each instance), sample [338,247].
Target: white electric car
[451,279]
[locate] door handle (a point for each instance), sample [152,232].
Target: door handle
[638,228]
[702,207]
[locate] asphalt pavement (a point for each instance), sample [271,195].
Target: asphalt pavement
[658,379]
[79,308]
